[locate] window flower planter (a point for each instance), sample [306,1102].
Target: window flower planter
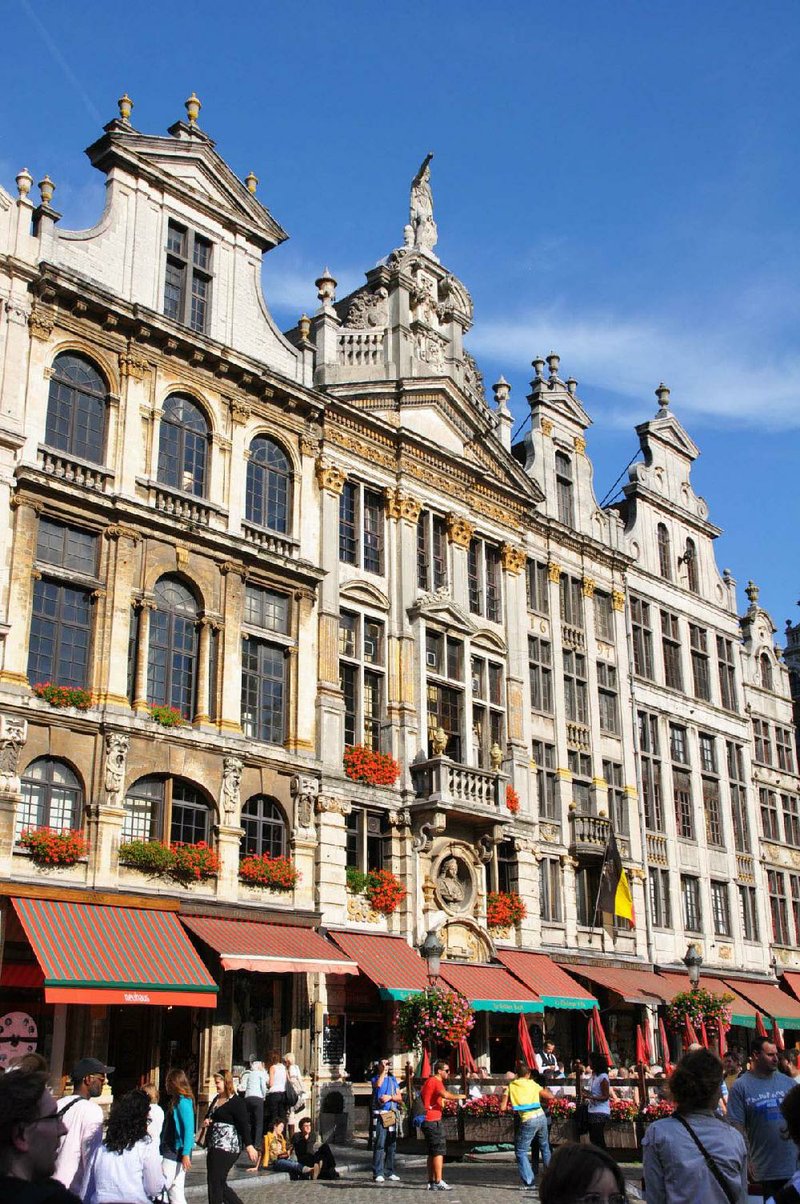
[381,888]
[63,696]
[184,863]
[49,848]
[361,764]
[271,873]
[504,909]
[166,716]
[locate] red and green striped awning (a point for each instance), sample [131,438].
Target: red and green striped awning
[104,954]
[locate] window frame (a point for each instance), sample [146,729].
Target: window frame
[551,893]
[184,262]
[538,586]
[484,579]
[664,545]
[721,909]
[642,638]
[432,552]
[186,465]
[68,404]
[549,800]
[362,677]
[44,806]
[701,667]
[660,897]
[565,489]
[261,840]
[362,527]
[59,589]
[268,486]
[726,671]
[691,903]
[163,822]
[608,698]
[540,672]
[748,912]
[671,650]
[365,831]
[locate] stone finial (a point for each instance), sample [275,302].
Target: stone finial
[125,105]
[24,183]
[662,393]
[496,757]
[727,577]
[502,392]
[538,366]
[304,326]
[553,361]
[752,592]
[251,180]
[439,740]
[193,107]
[572,385]
[326,287]
[46,190]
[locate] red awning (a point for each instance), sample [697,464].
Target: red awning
[269,948]
[491,988]
[102,954]
[792,981]
[769,999]
[633,984]
[554,986]
[388,961]
[21,974]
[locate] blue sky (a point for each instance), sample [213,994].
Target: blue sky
[614,181]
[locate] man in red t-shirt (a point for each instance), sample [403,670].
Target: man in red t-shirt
[432,1093]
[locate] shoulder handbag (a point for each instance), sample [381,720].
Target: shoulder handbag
[710,1163]
[290,1093]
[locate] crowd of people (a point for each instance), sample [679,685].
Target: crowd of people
[712,1149]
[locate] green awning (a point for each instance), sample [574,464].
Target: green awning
[490,988]
[552,985]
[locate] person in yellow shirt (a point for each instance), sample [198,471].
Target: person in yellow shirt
[525,1096]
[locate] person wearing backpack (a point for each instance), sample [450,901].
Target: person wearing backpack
[83,1122]
[177,1138]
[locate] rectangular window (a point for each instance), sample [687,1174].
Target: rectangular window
[784,749]
[748,912]
[768,806]
[587,884]
[266,608]
[580,766]
[763,741]
[603,617]
[550,890]
[777,907]
[576,703]
[690,899]
[444,660]
[678,744]
[617,800]
[373,531]
[791,820]
[708,753]
[571,601]
[607,697]
[545,757]
[431,551]
[66,547]
[483,579]
[364,840]
[671,647]
[794,886]
[720,908]
[713,809]
[507,876]
[565,490]
[684,808]
[538,587]
[651,771]
[348,523]
[727,674]
[187,277]
[701,674]
[541,674]
[362,660]
[263,690]
[660,902]
[642,638]
[61,614]
[738,792]
[361,527]
[488,718]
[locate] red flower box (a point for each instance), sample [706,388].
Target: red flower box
[49,847]
[512,799]
[362,764]
[275,873]
[504,909]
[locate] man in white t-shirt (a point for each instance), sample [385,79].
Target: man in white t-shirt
[83,1121]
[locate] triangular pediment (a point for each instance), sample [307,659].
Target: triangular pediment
[440,608]
[669,432]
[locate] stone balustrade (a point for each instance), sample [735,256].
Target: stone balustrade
[361,347]
[74,471]
[441,780]
[590,834]
[573,637]
[745,867]
[271,541]
[181,505]
[578,735]
[657,851]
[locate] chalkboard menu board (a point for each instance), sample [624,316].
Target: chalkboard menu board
[333,1030]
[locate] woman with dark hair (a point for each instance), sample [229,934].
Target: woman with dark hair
[790,1110]
[581,1172]
[128,1165]
[598,1099]
[694,1154]
[177,1141]
[227,1129]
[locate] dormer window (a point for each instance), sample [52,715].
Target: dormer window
[564,490]
[187,281]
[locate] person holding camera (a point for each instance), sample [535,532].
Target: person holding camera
[386,1101]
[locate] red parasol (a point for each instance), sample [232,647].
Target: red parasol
[760,1030]
[600,1040]
[723,1042]
[525,1043]
[689,1034]
[641,1052]
[465,1058]
[662,1032]
[703,1035]
[776,1037]
[425,1069]
[648,1045]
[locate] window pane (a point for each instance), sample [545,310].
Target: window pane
[190,815]
[58,649]
[263,691]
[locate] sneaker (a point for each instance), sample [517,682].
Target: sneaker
[431,1187]
[380,1178]
[442,1186]
[393,1178]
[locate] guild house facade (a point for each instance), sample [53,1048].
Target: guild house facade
[239,562]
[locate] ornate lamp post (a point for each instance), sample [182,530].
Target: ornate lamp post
[693,961]
[432,950]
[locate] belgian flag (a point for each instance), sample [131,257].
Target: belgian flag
[615,896]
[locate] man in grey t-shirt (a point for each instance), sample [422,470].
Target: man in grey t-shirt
[754,1107]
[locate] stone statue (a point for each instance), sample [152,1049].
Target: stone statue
[496,757]
[231,781]
[421,216]
[116,758]
[449,886]
[305,791]
[439,742]
[13,734]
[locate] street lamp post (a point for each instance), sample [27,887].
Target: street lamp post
[432,950]
[693,961]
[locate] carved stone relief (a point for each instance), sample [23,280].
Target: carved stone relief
[454,883]
[305,792]
[230,800]
[13,734]
[117,744]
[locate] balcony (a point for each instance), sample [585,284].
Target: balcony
[577,735]
[271,541]
[745,867]
[360,347]
[442,782]
[74,471]
[657,853]
[590,835]
[573,637]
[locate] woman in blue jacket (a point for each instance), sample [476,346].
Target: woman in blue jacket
[177,1141]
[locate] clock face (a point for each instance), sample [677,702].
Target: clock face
[18,1036]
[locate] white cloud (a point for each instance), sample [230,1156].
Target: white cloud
[291,289]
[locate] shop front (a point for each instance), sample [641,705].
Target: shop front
[566,1004]
[629,997]
[498,999]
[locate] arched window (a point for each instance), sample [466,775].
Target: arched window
[172,655]
[690,560]
[264,827]
[169,809]
[51,797]
[765,668]
[76,408]
[664,553]
[183,445]
[269,479]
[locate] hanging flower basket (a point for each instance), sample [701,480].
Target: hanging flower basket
[63,696]
[182,863]
[166,716]
[48,847]
[504,909]
[362,764]
[434,1016]
[699,1005]
[381,888]
[274,873]
[512,799]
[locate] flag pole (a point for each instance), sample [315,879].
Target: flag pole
[597,901]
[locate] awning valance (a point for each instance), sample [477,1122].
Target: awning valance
[742,1011]
[769,999]
[633,984]
[490,988]
[396,969]
[548,981]
[103,954]
[269,948]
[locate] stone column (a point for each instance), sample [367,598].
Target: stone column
[230,658]
[331,875]
[229,831]
[134,429]
[513,560]
[106,817]
[234,499]
[305,792]
[403,715]
[530,934]
[201,717]
[13,734]
[330,706]
[120,568]
[140,704]
[302,671]
[20,593]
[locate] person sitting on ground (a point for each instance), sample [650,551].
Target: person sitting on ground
[313,1155]
[30,1130]
[582,1172]
[277,1155]
[689,1155]
[128,1163]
